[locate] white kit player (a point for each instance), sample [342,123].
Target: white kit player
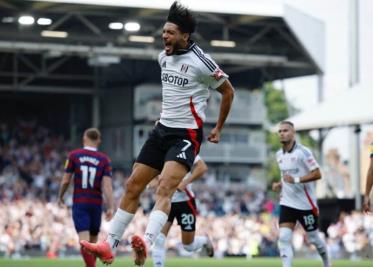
[183,208]
[299,171]
[187,75]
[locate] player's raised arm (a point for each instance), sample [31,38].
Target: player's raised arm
[227,92]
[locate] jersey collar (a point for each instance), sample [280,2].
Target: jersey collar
[291,149]
[186,50]
[91,148]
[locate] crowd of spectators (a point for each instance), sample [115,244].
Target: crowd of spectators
[31,161]
[39,228]
[239,221]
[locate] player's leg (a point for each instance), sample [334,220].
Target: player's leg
[81,218]
[309,222]
[89,259]
[140,177]
[186,218]
[95,224]
[172,173]
[192,243]
[159,247]
[147,166]
[287,223]
[181,148]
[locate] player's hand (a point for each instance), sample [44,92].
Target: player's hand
[182,186]
[276,186]
[366,205]
[289,179]
[214,136]
[109,214]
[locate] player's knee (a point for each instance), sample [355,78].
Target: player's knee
[163,192]
[313,237]
[189,247]
[133,189]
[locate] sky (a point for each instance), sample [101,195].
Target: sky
[302,92]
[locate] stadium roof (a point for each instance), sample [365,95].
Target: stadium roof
[352,107]
[272,42]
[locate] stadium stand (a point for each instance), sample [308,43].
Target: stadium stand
[241,223]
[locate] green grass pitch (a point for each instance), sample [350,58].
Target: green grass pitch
[181,262]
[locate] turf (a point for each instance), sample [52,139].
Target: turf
[179,262]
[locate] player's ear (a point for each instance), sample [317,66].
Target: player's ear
[186,36]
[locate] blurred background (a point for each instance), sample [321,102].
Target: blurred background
[69,65]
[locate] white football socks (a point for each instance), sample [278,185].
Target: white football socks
[284,245]
[117,227]
[314,238]
[198,243]
[157,219]
[159,251]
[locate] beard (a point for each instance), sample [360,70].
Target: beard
[285,142]
[176,47]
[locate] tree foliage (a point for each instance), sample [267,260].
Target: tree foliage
[275,100]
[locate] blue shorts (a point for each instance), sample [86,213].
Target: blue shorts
[87,217]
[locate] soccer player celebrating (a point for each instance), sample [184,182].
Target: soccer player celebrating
[299,171]
[187,75]
[91,171]
[183,208]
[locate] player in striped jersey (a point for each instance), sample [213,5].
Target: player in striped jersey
[183,208]
[187,74]
[299,171]
[90,171]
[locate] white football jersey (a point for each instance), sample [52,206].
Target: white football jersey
[180,196]
[186,78]
[298,162]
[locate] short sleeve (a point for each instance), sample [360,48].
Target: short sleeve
[211,74]
[309,160]
[371,150]
[108,171]
[161,56]
[69,164]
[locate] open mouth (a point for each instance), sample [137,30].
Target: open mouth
[168,47]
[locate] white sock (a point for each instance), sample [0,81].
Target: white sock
[159,251]
[198,243]
[314,239]
[157,219]
[117,227]
[284,245]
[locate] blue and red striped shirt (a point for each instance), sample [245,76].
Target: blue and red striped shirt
[88,167]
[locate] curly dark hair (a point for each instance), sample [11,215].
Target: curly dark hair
[182,17]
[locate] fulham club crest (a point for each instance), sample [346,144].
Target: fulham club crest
[184,68]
